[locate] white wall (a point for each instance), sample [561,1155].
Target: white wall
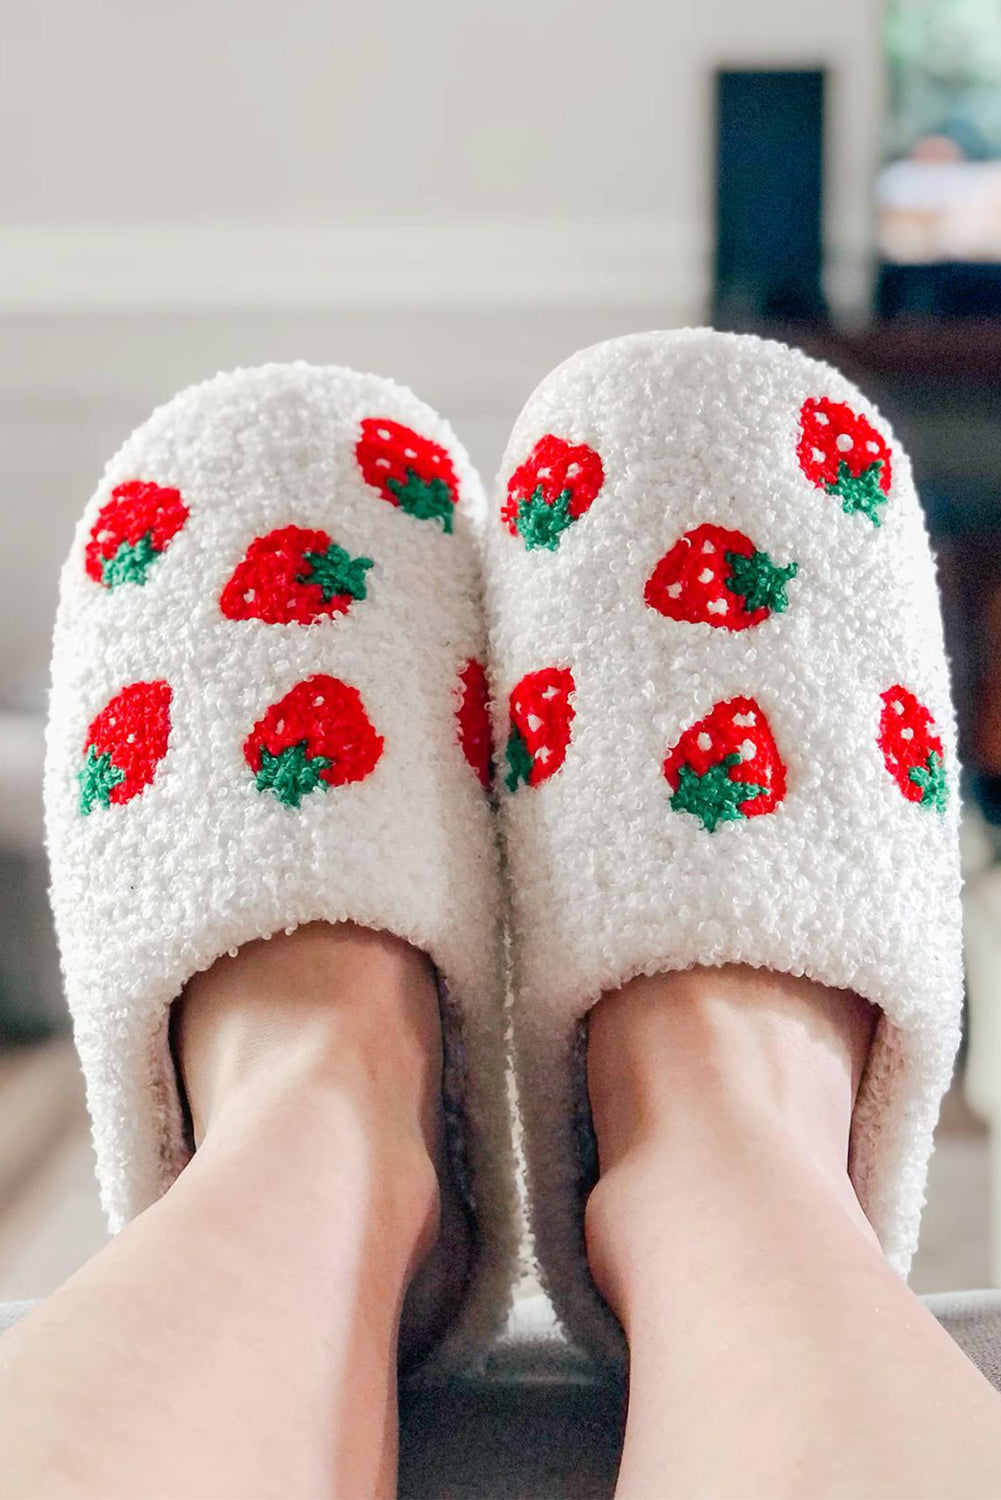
[458,192]
[283,114]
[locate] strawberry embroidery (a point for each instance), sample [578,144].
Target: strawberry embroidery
[294,576]
[473,718]
[132,530]
[541,716]
[727,766]
[551,490]
[408,470]
[124,745]
[318,735]
[841,452]
[712,576]
[912,749]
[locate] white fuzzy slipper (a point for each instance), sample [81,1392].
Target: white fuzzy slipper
[717,664]
[268,708]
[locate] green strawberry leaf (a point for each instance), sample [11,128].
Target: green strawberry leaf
[336,572]
[932,780]
[97,778]
[519,759]
[292,773]
[427,499]
[129,564]
[541,524]
[759,582]
[713,797]
[860,492]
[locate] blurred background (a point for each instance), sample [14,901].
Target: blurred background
[460,194]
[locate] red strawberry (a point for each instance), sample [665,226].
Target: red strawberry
[716,577]
[131,531]
[553,488]
[318,735]
[293,576]
[473,716]
[842,453]
[727,766]
[125,744]
[408,470]
[912,748]
[541,716]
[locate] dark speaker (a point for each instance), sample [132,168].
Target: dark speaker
[769,188]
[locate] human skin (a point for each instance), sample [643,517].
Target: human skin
[240,1337]
[773,1353]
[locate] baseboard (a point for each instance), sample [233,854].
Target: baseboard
[615,261]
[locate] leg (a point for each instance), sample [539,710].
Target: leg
[239,1338]
[772,1351]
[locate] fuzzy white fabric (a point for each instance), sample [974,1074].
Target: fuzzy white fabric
[846,881]
[149,892]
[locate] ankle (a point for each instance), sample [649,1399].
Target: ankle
[328,1035]
[347,1153]
[724,1052]
[717,1097]
[325,1044]
[322,1008]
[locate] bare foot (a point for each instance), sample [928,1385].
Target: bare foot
[354,1014]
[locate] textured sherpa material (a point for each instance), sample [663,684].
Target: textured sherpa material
[841,865]
[184,832]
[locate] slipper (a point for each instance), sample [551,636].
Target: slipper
[718,671]
[268,708]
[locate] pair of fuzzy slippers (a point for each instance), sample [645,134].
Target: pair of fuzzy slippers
[706,688]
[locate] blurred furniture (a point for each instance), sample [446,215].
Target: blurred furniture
[31,1003]
[982,945]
